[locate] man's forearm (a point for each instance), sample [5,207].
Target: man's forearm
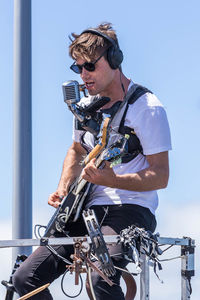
[153,177]
[145,180]
[71,168]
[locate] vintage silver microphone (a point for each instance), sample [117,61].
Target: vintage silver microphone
[71,95]
[71,92]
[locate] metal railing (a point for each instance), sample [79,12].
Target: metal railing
[186,244]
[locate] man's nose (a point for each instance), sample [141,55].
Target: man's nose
[84,74]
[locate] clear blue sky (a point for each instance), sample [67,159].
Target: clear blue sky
[161,45]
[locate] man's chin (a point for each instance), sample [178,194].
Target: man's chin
[92,93]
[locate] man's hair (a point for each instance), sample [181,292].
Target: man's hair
[90,45]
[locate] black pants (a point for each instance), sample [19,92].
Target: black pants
[44,267]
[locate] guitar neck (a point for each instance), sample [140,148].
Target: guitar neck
[82,182]
[93,154]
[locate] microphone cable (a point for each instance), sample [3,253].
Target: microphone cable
[122,86]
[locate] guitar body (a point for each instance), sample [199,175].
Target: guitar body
[68,211]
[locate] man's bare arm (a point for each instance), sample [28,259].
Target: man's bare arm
[152,178]
[71,170]
[71,166]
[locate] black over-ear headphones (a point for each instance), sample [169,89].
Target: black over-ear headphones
[114,54]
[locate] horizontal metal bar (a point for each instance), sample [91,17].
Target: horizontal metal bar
[70,241]
[186,241]
[36,242]
[51,241]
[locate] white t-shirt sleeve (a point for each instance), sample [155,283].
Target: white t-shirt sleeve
[148,118]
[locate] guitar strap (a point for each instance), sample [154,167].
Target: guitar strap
[116,112]
[116,119]
[118,127]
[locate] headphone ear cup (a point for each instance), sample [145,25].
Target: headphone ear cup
[114,57]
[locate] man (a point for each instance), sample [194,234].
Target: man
[122,195]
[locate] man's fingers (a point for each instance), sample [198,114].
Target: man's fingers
[54,199]
[54,203]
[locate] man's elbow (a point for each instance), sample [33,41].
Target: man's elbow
[164,184]
[165,179]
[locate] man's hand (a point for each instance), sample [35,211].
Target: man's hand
[105,176]
[154,177]
[55,198]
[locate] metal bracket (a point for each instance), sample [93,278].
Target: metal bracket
[98,243]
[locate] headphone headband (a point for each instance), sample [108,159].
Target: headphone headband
[106,37]
[114,54]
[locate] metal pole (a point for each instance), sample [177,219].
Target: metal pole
[22,183]
[144,278]
[187,269]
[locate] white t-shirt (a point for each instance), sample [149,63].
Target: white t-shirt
[148,118]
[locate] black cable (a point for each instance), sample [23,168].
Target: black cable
[166,248]
[68,262]
[62,286]
[58,255]
[190,286]
[122,86]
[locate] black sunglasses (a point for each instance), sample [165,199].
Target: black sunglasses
[89,66]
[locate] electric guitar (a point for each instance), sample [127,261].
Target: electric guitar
[71,206]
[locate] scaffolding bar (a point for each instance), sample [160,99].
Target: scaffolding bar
[187,269]
[187,257]
[144,278]
[69,241]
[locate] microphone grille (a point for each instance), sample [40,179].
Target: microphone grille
[71,91]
